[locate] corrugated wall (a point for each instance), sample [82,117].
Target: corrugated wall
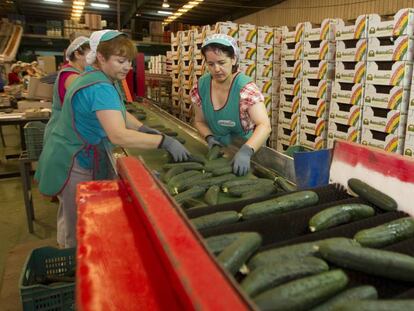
[291,12]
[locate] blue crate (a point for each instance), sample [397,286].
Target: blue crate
[48,261]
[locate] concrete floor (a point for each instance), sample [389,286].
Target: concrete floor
[15,240]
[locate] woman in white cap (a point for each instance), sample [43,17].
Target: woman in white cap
[76,57]
[13,76]
[94,115]
[228,103]
[37,71]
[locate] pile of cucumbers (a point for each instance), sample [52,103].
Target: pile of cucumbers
[204,178]
[308,276]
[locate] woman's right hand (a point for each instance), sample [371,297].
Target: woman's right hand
[212,141]
[175,148]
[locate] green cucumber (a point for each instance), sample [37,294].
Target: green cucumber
[186,165]
[193,192]
[197,158]
[289,252]
[378,305]
[193,203]
[140,116]
[338,215]
[222,170]
[285,185]
[304,293]
[386,234]
[212,195]
[214,153]
[158,126]
[218,180]
[366,292]
[217,243]
[237,253]
[182,176]
[371,261]
[169,132]
[215,164]
[242,181]
[258,193]
[288,202]
[215,219]
[185,184]
[265,173]
[238,191]
[372,195]
[276,273]
[172,172]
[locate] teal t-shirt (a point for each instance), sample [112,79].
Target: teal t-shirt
[86,102]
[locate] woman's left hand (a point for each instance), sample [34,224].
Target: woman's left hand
[241,161]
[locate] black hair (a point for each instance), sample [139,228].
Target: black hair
[227,50]
[80,50]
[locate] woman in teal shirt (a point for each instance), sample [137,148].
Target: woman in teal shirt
[93,115]
[228,103]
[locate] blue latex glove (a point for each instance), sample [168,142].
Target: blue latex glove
[241,161]
[212,141]
[148,130]
[175,148]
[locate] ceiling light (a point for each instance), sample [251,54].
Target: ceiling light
[77,11]
[79,7]
[76,14]
[165,4]
[182,10]
[82,3]
[178,14]
[188,6]
[100,5]
[54,1]
[165,12]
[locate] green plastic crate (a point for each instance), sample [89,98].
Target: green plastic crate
[48,261]
[33,136]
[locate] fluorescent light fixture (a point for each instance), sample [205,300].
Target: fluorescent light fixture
[188,6]
[178,14]
[54,1]
[100,5]
[82,3]
[77,7]
[165,12]
[182,10]
[165,4]
[77,11]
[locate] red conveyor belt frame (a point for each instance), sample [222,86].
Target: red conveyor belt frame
[137,251]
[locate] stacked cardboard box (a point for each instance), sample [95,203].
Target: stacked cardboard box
[248,49]
[317,74]
[348,87]
[388,82]
[158,64]
[176,75]
[277,68]
[290,87]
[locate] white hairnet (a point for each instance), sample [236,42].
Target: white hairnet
[224,40]
[94,42]
[75,45]
[14,66]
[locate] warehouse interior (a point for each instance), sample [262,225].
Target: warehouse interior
[265,147]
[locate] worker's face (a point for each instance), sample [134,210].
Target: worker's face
[81,58]
[219,65]
[116,67]
[17,69]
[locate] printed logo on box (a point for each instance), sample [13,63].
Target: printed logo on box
[401,24]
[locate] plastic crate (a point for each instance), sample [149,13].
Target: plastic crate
[33,136]
[48,261]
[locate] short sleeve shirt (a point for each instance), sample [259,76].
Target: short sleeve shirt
[249,96]
[86,102]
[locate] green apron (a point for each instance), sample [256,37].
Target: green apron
[56,104]
[65,142]
[225,123]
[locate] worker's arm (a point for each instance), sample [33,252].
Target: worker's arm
[132,123]
[126,136]
[200,123]
[258,115]
[69,80]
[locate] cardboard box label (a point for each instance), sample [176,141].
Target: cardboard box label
[383,120]
[401,48]
[312,142]
[384,96]
[389,142]
[353,72]
[401,24]
[345,114]
[347,31]
[265,35]
[347,93]
[316,107]
[247,33]
[351,50]
[390,73]
[319,50]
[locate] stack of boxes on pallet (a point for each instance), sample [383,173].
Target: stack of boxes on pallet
[176,75]
[247,38]
[158,65]
[187,66]
[348,88]
[277,68]
[388,80]
[290,87]
[317,75]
